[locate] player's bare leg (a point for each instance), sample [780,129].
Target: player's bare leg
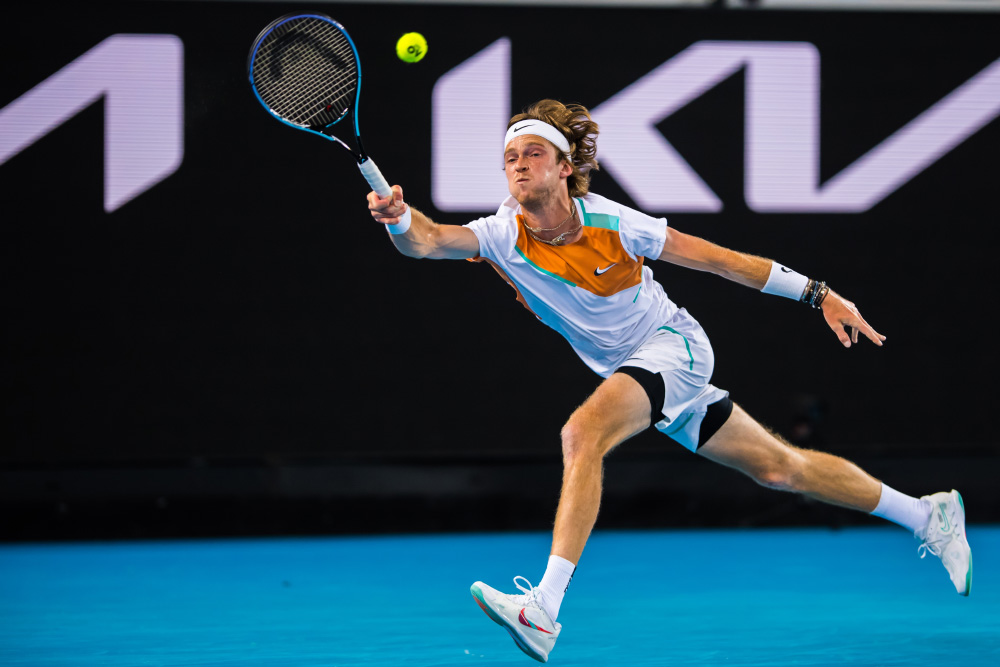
[742,443]
[938,520]
[616,411]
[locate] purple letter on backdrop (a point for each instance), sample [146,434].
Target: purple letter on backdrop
[782,132]
[142,79]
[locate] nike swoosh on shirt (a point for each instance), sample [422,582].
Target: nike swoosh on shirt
[598,271]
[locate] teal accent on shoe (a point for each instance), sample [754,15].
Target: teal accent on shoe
[637,294]
[968,575]
[478,594]
[944,517]
[524,647]
[541,270]
[686,344]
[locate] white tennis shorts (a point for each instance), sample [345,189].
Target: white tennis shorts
[679,352]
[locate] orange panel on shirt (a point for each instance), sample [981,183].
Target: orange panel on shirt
[580,262]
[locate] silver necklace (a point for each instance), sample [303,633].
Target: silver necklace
[551,229]
[559,239]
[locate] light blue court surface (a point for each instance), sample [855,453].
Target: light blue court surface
[859,596]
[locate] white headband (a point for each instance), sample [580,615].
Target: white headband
[539,129]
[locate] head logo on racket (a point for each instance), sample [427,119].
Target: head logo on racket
[304,70]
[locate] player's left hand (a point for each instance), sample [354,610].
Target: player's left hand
[842,314]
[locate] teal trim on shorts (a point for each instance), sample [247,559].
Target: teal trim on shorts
[541,270]
[686,344]
[599,220]
[680,427]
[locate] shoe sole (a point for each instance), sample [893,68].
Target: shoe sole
[477,595]
[968,575]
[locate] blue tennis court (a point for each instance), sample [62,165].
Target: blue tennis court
[679,597]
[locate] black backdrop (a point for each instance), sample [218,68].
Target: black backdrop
[246,311]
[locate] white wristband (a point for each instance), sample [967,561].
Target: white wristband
[403,224]
[785,282]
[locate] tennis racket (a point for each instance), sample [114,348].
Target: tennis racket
[304,70]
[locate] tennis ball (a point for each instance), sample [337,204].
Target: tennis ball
[411,47]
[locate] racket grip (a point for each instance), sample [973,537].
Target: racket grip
[375,178]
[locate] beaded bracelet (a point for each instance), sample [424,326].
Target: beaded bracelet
[815,293]
[807,293]
[821,296]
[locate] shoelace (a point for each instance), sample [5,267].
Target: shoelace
[529,597]
[935,548]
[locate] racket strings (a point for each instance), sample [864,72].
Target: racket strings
[305,84]
[292,56]
[305,70]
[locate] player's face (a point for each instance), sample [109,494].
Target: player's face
[534,168]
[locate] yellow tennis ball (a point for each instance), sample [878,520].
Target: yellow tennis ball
[411,47]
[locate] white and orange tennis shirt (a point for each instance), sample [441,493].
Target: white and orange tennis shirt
[596,292]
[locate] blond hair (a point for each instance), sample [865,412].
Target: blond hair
[580,130]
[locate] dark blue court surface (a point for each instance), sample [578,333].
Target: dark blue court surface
[755,597]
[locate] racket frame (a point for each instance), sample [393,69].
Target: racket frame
[365,163]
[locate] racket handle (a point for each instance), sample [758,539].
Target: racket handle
[375,178]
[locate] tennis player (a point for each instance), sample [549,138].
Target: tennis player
[578,262]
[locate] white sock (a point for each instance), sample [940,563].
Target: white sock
[554,584]
[907,511]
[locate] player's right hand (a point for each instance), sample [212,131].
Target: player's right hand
[387,210]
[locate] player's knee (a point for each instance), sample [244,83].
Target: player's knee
[784,472]
[578,442]
[774,478]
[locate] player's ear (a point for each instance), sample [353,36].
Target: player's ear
[565,168]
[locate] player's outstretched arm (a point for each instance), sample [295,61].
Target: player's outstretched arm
[752,271]
[422,236]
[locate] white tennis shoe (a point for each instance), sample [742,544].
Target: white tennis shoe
[944,536]
[521,616]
